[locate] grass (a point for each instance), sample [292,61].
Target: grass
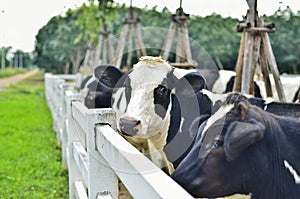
[30,161]
[7,72]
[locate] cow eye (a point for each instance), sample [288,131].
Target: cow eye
[162,90]
[219,141]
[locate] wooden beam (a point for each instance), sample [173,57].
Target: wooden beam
[180,53]
[168,42]
[121,45]
[273,66]
[265,72]
[239,65]
[247,64]
[139,41]
[256,47]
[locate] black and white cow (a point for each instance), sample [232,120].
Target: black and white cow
[180,140]
[188,104]
[98,87]
[230,84]
[243,149]
[147,107]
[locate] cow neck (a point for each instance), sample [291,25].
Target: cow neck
[278,142]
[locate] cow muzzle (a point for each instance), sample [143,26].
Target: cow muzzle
[129,126]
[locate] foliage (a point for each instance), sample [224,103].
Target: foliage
[11,71]
[286,41]
[217,35]
[55,46]
[21,59]
[18,58]
[6,50]
[30,165]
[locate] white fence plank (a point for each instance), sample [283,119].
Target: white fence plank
[80,156]
[132,167]
[80,190]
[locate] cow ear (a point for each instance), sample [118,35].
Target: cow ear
[241,135]
[108,75]
[190,83]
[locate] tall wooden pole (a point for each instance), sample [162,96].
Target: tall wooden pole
[255,46]
[183,49]
[135,33]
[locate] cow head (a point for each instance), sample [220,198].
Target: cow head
[142,98]
[99,87]
[223,157]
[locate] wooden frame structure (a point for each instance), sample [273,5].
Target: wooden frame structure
[256,48]
[183,49]
[104,52]
[132,34]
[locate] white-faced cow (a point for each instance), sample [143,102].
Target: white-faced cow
[243,149]
[144,101]
[98,88]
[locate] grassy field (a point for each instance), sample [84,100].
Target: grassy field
[30,161]
[11,71]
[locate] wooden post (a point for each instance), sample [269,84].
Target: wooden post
[183,49]
[255,46]
[168,42]
[265,73]
[239,65]
[104,50]
[273,66]
[135,33]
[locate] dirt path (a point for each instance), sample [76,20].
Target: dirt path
[4,82]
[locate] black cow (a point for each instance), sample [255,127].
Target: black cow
[230,83]
[243,149]
[185,120]
[188,103]
[98,88]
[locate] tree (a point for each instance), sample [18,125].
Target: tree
[3,56]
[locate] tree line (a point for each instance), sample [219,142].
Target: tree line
[62,43]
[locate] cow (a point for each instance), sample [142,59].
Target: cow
[188,104]
[230,84]
[97,88]
[244,149]
[180,140]
[146,105]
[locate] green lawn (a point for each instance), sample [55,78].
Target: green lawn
[30,161]
[11,71]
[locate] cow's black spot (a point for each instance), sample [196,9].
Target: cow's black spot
[170,80]
[128,89]
[161,96]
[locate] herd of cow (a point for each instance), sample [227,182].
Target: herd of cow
[212,143]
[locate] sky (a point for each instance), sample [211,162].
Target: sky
[20,20]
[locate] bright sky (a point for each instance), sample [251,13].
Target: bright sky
[20,20]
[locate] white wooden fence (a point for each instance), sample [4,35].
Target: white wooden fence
[95,155]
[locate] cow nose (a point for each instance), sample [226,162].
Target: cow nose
[129,126]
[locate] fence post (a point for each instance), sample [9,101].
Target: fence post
[74,172]
[63,121]
[102,179]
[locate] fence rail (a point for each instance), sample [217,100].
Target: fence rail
[95,155]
